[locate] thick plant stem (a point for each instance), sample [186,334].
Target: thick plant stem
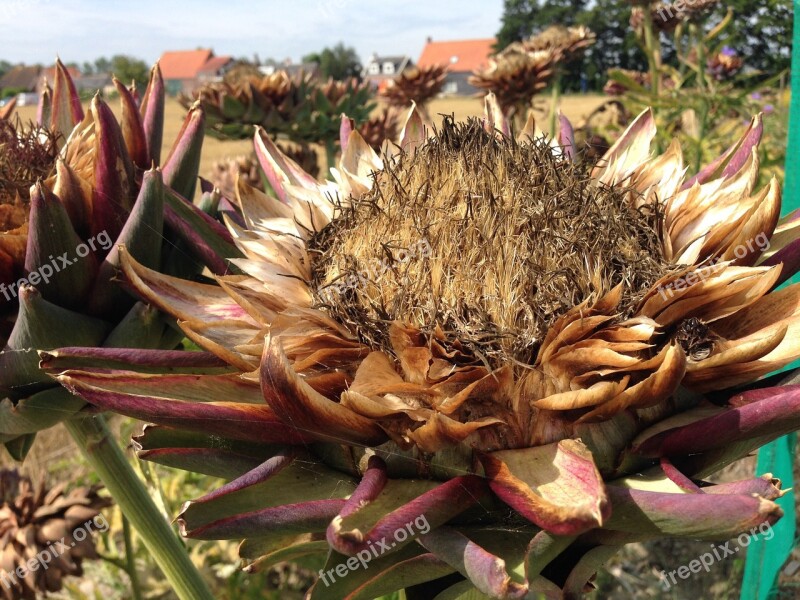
[652,44]
[702,118]
[104,455]
[653,51]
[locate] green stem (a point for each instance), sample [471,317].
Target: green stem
[117,562]
[701,55]
[652,50]
[130,559]
[702,118]
[106,458]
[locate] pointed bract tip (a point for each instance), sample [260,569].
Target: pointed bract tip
[413,134]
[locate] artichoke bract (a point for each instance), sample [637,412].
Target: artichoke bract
[104,190]
[523,69]
[471,364]
[417,85]
[515,76]
[300,107]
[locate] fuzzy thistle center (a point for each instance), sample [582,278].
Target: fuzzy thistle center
[488,239]
[26,155]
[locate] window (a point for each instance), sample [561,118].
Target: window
[388,68]
[450,87]
[374,69]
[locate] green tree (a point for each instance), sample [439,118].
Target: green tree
[516,23]
[616,46]
[102,65]
[127,69]
[339,62]
[760,32]
[523,18]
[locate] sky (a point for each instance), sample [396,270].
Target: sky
[35,31]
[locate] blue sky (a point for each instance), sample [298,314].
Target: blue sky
[36,30]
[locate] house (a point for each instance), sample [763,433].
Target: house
[461,57]
[380,69]
[22,79]
[186,70]
[214,68]
[97,82]
[28,81]
[309,68]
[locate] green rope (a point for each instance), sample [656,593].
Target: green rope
[765,558]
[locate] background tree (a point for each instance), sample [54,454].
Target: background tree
[516,23]
[616,46]
[127,68]
[339,62]
[523,18]
[760,31]
[102,65]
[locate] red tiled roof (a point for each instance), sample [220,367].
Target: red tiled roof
[215,63]
[21,77]
[458,55]
[183,64]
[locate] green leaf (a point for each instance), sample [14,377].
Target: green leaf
[200,453]
[206,238]
[299,482]
[141,235]
[37,412]
[630,83]
[232,108]
[41,325]
[51,235]
[183,163]
[141,327]
[371,577]
[463,590]
[292,549]
[721,26]
[587,566]
[18,448]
